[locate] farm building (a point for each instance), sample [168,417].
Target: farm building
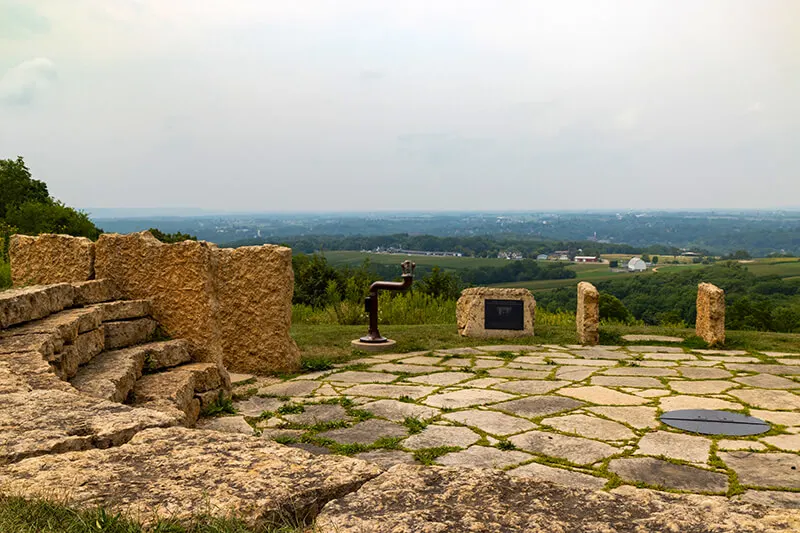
[636,264]
[586,259]
[541,257]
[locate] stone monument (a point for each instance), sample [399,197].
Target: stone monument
[587,317]
[486,312]
[711,314]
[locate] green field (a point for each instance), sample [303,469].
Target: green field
[354,258]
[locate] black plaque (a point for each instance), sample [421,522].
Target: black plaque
[504,314]
[712,422]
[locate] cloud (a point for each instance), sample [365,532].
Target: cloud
[21,84]
[20,21]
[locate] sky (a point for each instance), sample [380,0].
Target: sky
[311,105]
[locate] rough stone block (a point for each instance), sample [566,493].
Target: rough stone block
[128,332]
[587,317]
[32,303]
[254,287]
[173,392]
[471,315]
[65,325]
[50,258]
[710,324]
[50,421]
[166,354]
[177,278]
[209,397]
[95,291]
[179,474]
[26,371]
[111,375]
[124,310]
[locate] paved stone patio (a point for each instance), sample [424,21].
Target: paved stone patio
[584,417]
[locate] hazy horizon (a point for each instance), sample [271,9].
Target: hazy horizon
[375,106]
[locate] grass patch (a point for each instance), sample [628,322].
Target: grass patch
[360,414]
[506,445]
[317,364]
[406,399]
[40,516]
[291,409]
[414,424]
[427,456]
[222,405]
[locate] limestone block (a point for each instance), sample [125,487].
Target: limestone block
[31,303]
[711,314]
[587,317]
[177,278]
[50,258]
[95,291]
[128,332]
[470,312]
[124,310]
[255,286]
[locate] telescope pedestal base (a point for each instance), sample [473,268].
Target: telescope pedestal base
[373,347]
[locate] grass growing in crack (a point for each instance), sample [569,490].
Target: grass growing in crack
[427,456]
[506,355]
[360,414]
[317,364]
[222,405]
[325,426]
[246,394]
[506,445]
[285,439]
[406,399]
[414,424]
[42,516]
[291,409]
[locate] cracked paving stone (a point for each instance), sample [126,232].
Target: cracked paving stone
[768,381]
[365,432]
[291,388]
[768,470]
[531,386]
[768,399]
[701,387]
[491,422]
[466,398]
[652,393]
[689,448]
[657,472]
[628,381]
[589,426]
[483,383]
[574,373]
[351,376]
[537,406]
[256,405]
[442,378]
[577,450]
[738,445]
[483,457]
[675,403]
[315,414]
[436,436]
[398,411]
[602,396]
[559,476]
[385,459]
[640,371]
[390,391]
[640,417]
[693,372]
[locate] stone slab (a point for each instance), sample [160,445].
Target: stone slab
[290,388]
[768,399]
[658,473]
[675,403]
[640,417]
[492,422]
[767,470]
[436,436]
[589,426]
[390,391]
[640,371]
[628,381]
[768,381]
[316,414]
[442,378]
[466,398]
[651,338]
[483,457]
[398,411]
[574,449]
[385,459]
[360,377]
[255,406]
[528,386]
[701,387]
[536,406]
[365,432]
[407,369]
[558,476]
[689,448]
[226,424]
[704,373]
[602,396]
[128,332]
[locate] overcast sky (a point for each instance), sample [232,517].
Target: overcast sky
[387,104]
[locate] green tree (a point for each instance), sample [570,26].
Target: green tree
[654,260]
[171,237]
[440,284]
[613,263]
[611,308]
[18,187]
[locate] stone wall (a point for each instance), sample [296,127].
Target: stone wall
[470,312]
[50,258]
[587,317]
[233,306]
[710,324]
[255,285]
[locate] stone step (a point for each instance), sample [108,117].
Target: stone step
[111,375]
[65,325]
[95,291]
[121,334]
[18,306]
[165,354]
[124,310]
[87,345]
[175,391]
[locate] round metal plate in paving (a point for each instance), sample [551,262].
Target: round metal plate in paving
[711,422]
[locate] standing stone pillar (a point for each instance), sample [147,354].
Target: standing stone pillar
[587,317]
[711,314]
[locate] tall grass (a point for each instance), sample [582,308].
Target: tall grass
[5,275]
[410,308]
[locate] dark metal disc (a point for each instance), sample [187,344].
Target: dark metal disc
[712,422]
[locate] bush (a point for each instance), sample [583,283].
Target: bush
[5,275]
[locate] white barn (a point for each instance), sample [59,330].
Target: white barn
[636,264]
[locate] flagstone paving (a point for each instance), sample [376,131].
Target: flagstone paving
[579,416]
